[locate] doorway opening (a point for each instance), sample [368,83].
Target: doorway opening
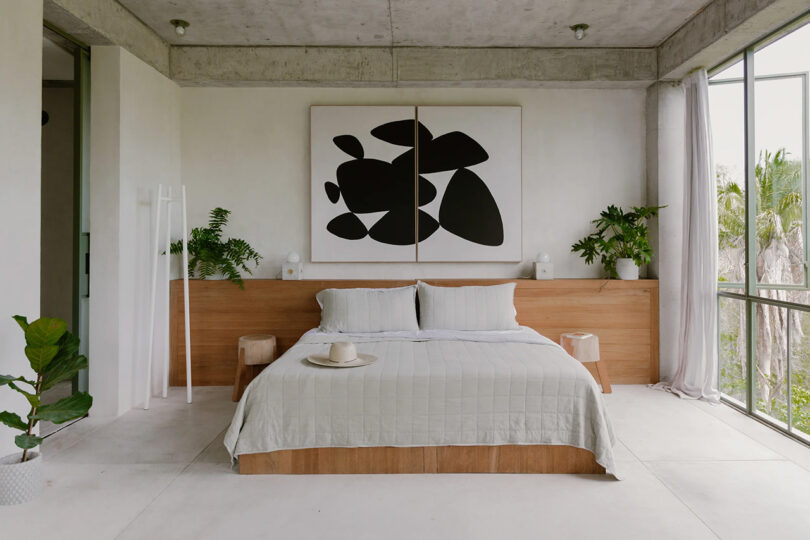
[64,241]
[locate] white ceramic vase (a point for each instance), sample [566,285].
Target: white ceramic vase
[20,482]
[627,269]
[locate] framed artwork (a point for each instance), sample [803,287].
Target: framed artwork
[368,203]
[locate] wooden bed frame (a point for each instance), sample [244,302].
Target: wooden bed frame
[624,314]
[423,459]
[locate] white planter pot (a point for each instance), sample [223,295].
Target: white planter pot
[627,269]
[20,482]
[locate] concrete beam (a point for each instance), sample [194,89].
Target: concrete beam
[720,30]
[281,66]
[522,66]
[106,22]
[409,66]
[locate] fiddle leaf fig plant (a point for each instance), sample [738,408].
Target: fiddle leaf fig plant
[618,235]
[53,353]
[210,255]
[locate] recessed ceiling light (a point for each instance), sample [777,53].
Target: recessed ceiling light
[579,30]
[179,26]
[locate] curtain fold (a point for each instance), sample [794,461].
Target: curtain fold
[696,377]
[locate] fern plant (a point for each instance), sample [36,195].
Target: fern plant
[619,235]
[209,255]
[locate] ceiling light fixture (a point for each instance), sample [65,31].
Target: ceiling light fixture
[179,26]
[579,30]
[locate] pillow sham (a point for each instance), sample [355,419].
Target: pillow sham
[368,310]
[489,307]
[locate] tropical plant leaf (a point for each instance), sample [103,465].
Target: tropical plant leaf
[45,331]
[13,420]
[22,321]
[62,369]
[26,441]
[40,357]
[66,409]
[33,399]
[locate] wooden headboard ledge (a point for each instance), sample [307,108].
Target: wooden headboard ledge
[624,314]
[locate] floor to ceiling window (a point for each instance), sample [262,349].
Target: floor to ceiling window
[759,113]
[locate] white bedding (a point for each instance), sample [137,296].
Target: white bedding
[428,388]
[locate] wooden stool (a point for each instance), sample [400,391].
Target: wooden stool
[585,348]
[255,352]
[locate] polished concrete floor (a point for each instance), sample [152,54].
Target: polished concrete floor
[691,471]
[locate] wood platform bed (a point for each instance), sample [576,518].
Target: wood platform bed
[623,313]
[423,459]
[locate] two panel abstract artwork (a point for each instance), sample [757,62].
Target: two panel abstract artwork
[369,203]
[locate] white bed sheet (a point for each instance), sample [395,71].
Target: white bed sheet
[428,388]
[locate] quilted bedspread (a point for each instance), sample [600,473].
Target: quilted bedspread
[437,390]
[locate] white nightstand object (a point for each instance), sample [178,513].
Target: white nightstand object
[585,348]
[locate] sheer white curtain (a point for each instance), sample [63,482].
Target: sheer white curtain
[696,376]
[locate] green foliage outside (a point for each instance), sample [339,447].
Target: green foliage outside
[53,353]
[210,256]
[779,261]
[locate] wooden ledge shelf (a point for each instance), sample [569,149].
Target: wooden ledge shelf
[624,314]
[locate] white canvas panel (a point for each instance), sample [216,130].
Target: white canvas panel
[328,122]
[498,131]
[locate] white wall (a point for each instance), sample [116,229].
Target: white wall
[20,111]
[135,136]
[247,150]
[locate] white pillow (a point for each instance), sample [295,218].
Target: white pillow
[368,310]
[467,308]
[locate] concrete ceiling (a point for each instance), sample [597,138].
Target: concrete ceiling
[424,23]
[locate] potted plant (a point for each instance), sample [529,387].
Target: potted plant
[210,256]
[53,353]
[621,241]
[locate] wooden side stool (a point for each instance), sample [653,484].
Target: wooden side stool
[585,348]
[255,352]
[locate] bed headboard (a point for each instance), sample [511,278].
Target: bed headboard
[624,314]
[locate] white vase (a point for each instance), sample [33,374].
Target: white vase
[20,482]
[627,269]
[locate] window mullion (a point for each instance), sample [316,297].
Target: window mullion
[750,225]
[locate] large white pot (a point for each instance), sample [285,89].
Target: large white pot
[627,269]
[20,482]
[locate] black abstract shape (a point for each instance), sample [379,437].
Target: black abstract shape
[400,133]
[427,191]
[395,227]
[350,145]
[347,226]
[427,225]
[372,185]
[447,152]
[332,191]
[468,210]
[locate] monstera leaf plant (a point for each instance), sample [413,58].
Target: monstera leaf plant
[619,235]
[54,356]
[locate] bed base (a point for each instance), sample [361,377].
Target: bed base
[424,459]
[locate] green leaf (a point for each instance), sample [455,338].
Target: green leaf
[66,409]
[13,420]
[22,321]
[45,331]
[40,357]
[7,379]
[26,442]
[33,399]
[62,369]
